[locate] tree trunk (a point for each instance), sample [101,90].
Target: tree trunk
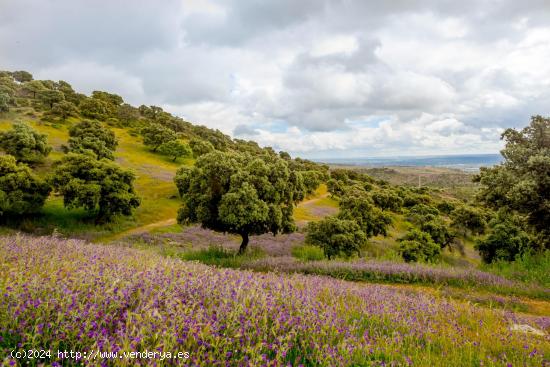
[242,248]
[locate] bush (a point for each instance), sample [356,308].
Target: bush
[418,246]
[506,240]
[4,102]
[308,253]
[336,236]
[411,199]
[387,200]
[154,135]
[468,218]
[63,110]
[94,109]
[21,192]
[372,220]
[200,147]
[92,136]
[25,143]
[100,187]
[438,230]
[445,207]
[175,149]
[421,213]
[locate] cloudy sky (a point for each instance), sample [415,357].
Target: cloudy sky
[318,78]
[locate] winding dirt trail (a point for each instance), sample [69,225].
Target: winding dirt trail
[313,200]
[139,230]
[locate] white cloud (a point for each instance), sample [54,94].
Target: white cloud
[315,77]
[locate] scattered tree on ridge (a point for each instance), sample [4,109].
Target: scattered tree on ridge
[64,109]
[92,136]
[506,239]
[154,135]
[25,143]
[50,97]
[239,193]
[21,192]
[387,200]
[22,76]
[94,108]
[175,149]
[418,246]
[336,236]
[200,147]
[522,182]
[34,87]
[4,102]
[99,186]
[372,220]
[109,98]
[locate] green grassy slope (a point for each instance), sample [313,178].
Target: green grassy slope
[154,182]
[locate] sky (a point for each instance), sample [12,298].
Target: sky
[316,78]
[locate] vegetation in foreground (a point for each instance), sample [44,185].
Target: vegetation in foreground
[136,301]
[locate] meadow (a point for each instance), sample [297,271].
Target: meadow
[71,295]
[157,279]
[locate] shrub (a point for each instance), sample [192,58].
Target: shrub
[175,149]
[412,199]
[63,110]
[370,219]
[468,219]
[92,136]
[335,187]
[336,236]
[308,253]
[100,187]
[239,194]
[25,143]
[94,108]
[438,231]
[154,135]
[21,192]
[418,246]
[387,200]
[4,102]
[50,97]
[521,182]
[200,147]
[505,241]
[445,207]
[421,213]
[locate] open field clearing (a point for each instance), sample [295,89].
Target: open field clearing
[67,294]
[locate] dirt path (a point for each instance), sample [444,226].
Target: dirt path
[311,201]
[139,230]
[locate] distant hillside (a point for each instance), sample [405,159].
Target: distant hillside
[52,107]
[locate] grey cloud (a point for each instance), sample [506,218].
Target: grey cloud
[477,60]
[244,131]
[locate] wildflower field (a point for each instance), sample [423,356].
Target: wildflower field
[68,294]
